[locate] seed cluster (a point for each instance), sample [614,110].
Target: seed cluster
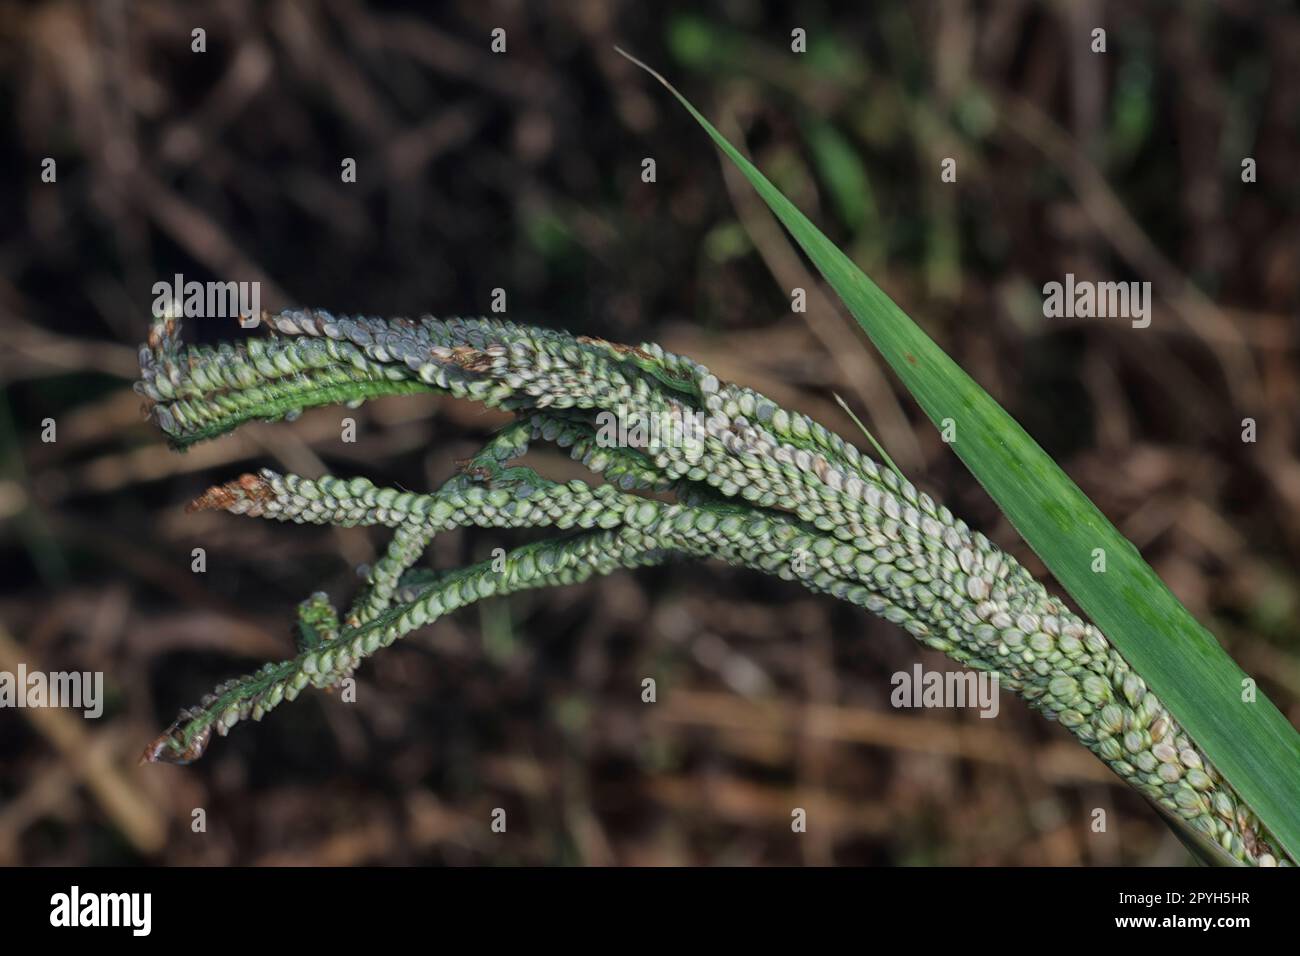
[751,484]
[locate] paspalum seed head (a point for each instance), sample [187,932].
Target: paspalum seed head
[753,484]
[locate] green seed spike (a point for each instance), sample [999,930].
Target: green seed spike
[745,482]
[317,621]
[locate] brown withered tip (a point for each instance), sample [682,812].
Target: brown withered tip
[467,467]
[169,747]
[616,346]
[471,359]
[246,487]
[157,332]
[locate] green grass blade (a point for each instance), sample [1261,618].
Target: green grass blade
[1251,743]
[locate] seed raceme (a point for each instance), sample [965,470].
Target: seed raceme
[737,479]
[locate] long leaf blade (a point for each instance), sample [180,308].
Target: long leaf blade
[1251,743]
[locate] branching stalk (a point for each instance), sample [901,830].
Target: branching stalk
[750,483]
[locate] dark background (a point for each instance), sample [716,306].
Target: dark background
[522,171]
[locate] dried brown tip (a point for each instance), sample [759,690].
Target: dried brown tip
[170,747]
[159,332]
[471,359]
[615,346]
[247,487]
[477,472]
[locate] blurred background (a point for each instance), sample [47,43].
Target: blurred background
[522,170]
